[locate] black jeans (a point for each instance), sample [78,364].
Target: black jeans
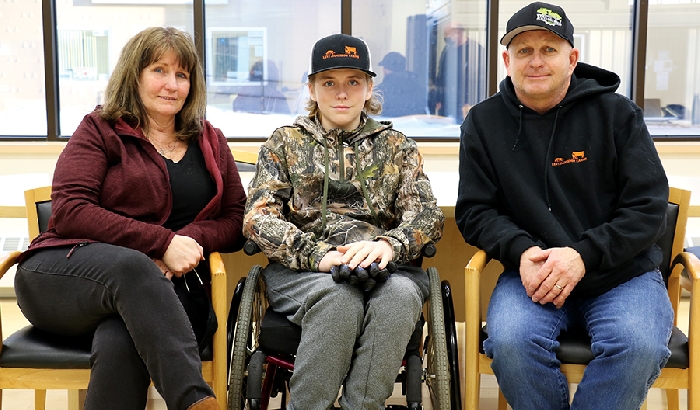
[141,331]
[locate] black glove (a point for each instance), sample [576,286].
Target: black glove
[367,278]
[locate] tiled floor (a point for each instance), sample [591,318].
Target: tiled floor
[12,319]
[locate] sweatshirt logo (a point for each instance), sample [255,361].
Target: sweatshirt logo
[576,157]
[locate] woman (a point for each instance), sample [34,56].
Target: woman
[144,189]
[339,188]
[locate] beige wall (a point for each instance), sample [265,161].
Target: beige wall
[680,160]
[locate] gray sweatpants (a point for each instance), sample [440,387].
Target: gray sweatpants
[344,337]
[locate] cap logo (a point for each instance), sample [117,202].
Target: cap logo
[549,17]
[349,52]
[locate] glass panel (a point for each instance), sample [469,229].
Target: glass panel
[672,80]
[22,96]
[90,36]
[430,60]
[257,60]
[602,33]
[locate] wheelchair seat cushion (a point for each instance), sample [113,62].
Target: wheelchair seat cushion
[30,347]
[280,336]
[575,348]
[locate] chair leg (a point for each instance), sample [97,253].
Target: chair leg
[673,399]
[39,399]
[76,399]
[502,402]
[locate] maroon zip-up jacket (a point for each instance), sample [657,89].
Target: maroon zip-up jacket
[111,185]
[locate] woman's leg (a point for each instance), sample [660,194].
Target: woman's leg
[73,295]
[119,379]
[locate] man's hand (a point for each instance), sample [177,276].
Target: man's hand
[330,259]
[561,272]
[530,263]
[183,255]
[363,253]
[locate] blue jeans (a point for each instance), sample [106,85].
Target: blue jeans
[630,326]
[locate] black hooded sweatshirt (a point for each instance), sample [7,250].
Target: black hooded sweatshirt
[584,175]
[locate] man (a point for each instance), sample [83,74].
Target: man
[458,81]
[338,190]
[400,89]
[560,181]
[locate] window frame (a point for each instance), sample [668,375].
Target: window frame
[639,44]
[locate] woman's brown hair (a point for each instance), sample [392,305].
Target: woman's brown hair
[122,99]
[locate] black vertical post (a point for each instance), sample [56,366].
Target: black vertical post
[48,11]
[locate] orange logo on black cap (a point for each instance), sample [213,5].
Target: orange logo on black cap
[349,52]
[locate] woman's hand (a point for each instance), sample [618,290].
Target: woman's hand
[183,254]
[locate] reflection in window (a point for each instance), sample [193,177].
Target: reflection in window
[672,78]
[233,53]
[430,60]
[257,59]
[82,54]
[90,36]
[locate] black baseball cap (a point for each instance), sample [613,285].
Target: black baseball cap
[539,16]
[393,61]
[340,51]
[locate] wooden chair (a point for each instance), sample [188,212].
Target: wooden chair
[30,359]
[681,372]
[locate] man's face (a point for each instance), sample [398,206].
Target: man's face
[340,94]
[540,64]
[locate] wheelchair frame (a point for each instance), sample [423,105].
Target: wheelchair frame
[255,376]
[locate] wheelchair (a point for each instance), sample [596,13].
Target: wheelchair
[262,344]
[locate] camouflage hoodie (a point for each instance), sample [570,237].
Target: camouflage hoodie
[308,195]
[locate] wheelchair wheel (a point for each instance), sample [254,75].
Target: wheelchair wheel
[437,364]
[245,338]
[452,348]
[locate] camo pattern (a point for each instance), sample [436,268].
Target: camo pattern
[285,197]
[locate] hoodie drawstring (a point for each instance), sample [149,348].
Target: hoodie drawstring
[361,178]
[324,203]
[547,165]
[520,126]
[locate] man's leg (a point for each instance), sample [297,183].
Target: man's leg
[330,315]
[392,311]
[522,343]
[630,326]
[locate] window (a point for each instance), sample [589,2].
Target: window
[90,36]
[603,35]
[430,60]
[257,61]
[672,77]
[256,55]
[23,99]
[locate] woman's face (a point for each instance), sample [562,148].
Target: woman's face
[163,88]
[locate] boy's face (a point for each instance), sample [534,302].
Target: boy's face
[340,94]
